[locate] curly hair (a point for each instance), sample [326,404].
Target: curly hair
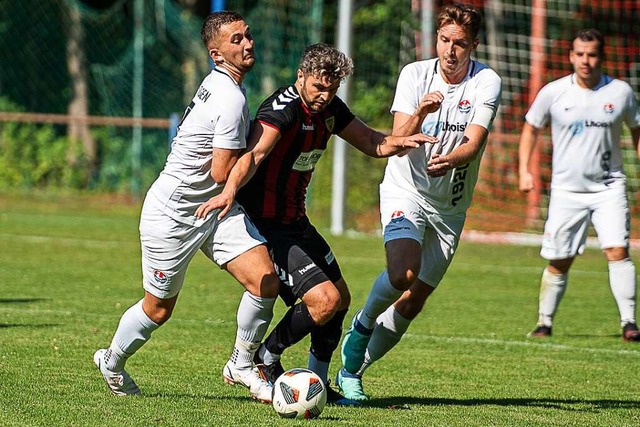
[322,60]
[212,24]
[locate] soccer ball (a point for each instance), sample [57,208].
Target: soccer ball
[299,393]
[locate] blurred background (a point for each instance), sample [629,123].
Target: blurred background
[91,91]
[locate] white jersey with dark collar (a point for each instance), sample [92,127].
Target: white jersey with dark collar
[473,101]
[217,117]
[586,126]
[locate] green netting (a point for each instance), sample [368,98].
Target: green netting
[34,77]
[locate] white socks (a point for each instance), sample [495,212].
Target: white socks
[254,315]
[134,330]
[389,329]
[552,287]
[382,295]
[622,279]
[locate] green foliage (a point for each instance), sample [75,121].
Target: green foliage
[33,155]
[379,59]
[36,156]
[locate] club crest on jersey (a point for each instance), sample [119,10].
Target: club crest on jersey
[160,277]
[464,106]
[397,216]
[330,122]
[608,108]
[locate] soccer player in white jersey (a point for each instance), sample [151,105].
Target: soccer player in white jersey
[210,137]
[425,194]
[586,109]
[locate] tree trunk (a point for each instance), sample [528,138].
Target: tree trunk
[78,130]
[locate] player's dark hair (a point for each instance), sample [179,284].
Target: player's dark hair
[464,15]
[212,24]
[320,60]
[591,35]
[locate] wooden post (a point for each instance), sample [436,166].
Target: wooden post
[536,81]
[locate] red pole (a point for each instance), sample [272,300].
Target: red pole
[536,81]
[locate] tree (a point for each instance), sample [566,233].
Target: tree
[78,109]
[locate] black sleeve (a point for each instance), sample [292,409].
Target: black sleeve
[279,110]
[342,113]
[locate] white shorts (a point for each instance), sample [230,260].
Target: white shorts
[169,245]
[403,217]
[567,226]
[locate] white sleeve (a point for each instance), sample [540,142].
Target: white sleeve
[488,99]
[538,114]
[632,116]
[229,123]
[406,97]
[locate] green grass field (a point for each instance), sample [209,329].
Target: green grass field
[70,266]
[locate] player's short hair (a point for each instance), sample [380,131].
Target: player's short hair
[464,15]
[322,60]
[591,35]
[212,24]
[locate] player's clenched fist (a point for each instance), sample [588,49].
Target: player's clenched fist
[526,182]
[430,103]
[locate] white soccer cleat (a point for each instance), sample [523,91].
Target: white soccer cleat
[260,389]
[120,383]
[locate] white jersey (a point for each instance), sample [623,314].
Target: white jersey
[586,125]
[473,101]
[218,117]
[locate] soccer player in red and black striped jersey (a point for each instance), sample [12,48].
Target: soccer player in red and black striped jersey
[290,132]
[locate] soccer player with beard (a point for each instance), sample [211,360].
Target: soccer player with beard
[587,109]
[210,138]
[425,194]
[291,131]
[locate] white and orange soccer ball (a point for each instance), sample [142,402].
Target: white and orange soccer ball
[299,393]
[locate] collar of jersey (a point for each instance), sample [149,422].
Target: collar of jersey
[226,73]
[604,80]
[470,70]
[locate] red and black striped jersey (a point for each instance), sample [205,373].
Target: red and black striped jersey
[278,189]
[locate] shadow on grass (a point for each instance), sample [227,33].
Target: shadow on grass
[579,405]
[26,325]
[21,300]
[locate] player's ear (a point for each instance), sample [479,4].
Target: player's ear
[476,42]
[299,77]
[216,56]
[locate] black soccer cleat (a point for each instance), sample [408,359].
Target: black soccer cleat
[334,398]
[269,373]
[630,332]
[541,331]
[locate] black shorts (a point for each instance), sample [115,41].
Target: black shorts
[301,256]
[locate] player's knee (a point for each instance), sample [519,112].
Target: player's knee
[616,254]
[322,301]
[402,278]
[160,314]
[157,309]
[265,285]
[269,286]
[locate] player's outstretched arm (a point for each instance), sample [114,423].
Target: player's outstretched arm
[376,144]
[527,144]
[261,141]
